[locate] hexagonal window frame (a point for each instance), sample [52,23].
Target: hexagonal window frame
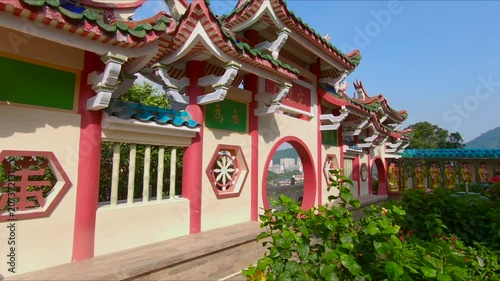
[232,161]
[331,162]
[58,191]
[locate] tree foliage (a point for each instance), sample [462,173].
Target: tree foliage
[428,136]
[145,94]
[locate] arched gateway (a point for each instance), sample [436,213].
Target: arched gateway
[310,186]
[239,86]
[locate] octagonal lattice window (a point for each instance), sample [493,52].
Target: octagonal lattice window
[32,183]
[331,163]
[227,171]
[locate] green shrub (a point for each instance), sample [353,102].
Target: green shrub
[472,218]
[326,243]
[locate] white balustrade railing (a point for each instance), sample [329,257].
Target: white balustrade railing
[119,170]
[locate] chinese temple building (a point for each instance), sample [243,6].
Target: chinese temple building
[240,85]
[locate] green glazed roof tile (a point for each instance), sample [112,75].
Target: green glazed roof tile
[472,153]
[145,113]
[80,13]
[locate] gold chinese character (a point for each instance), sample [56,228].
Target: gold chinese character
[218,114]
[236,117]
[300,98]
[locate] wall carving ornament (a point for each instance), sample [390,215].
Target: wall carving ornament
[364,172]
[227,171]
[331,163]
[32,183]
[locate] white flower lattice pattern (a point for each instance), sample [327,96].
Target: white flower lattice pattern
[225,170]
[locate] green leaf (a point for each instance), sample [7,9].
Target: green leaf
[304,231]
[436,263]
[480,261]
[444,277]
[263,235]
[345,238]
[292,267]
[350,263]
[372,230]
[397,242]
[303,250]
[330,256]
[393,270]
[429,272]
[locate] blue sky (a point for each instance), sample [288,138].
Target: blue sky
[438,60]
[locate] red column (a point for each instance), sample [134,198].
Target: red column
[341,145]
[355,173]
[251,83]
[316,69]
[355,168]
[370,175]
[89,160]
[193,156]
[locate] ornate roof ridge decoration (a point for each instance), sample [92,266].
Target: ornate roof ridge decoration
[146,113]
[113,4]
[368,111]
[295,23]
[89,22]
[200,12]
[460,153]
[381,100]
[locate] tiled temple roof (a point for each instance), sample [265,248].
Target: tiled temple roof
[200,12]
[245,10]
[467,153]
[381,102]
[89,22]
[145,113]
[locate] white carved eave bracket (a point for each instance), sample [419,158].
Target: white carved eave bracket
[383,118]
[338,83]
[105,83]
[332,121]
[172,87]
[383,140]
[126,82]
[366,145]
[269,103]
[357,128]
[275,47]
[371,138]
[221,84]
[402,147]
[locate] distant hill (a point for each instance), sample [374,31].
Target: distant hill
[490,139]
[285,153]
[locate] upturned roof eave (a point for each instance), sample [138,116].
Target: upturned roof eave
[294,23]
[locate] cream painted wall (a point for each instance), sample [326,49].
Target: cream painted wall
[19,44]
[274,127]
[42,242]
[216,213]
[128,226]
